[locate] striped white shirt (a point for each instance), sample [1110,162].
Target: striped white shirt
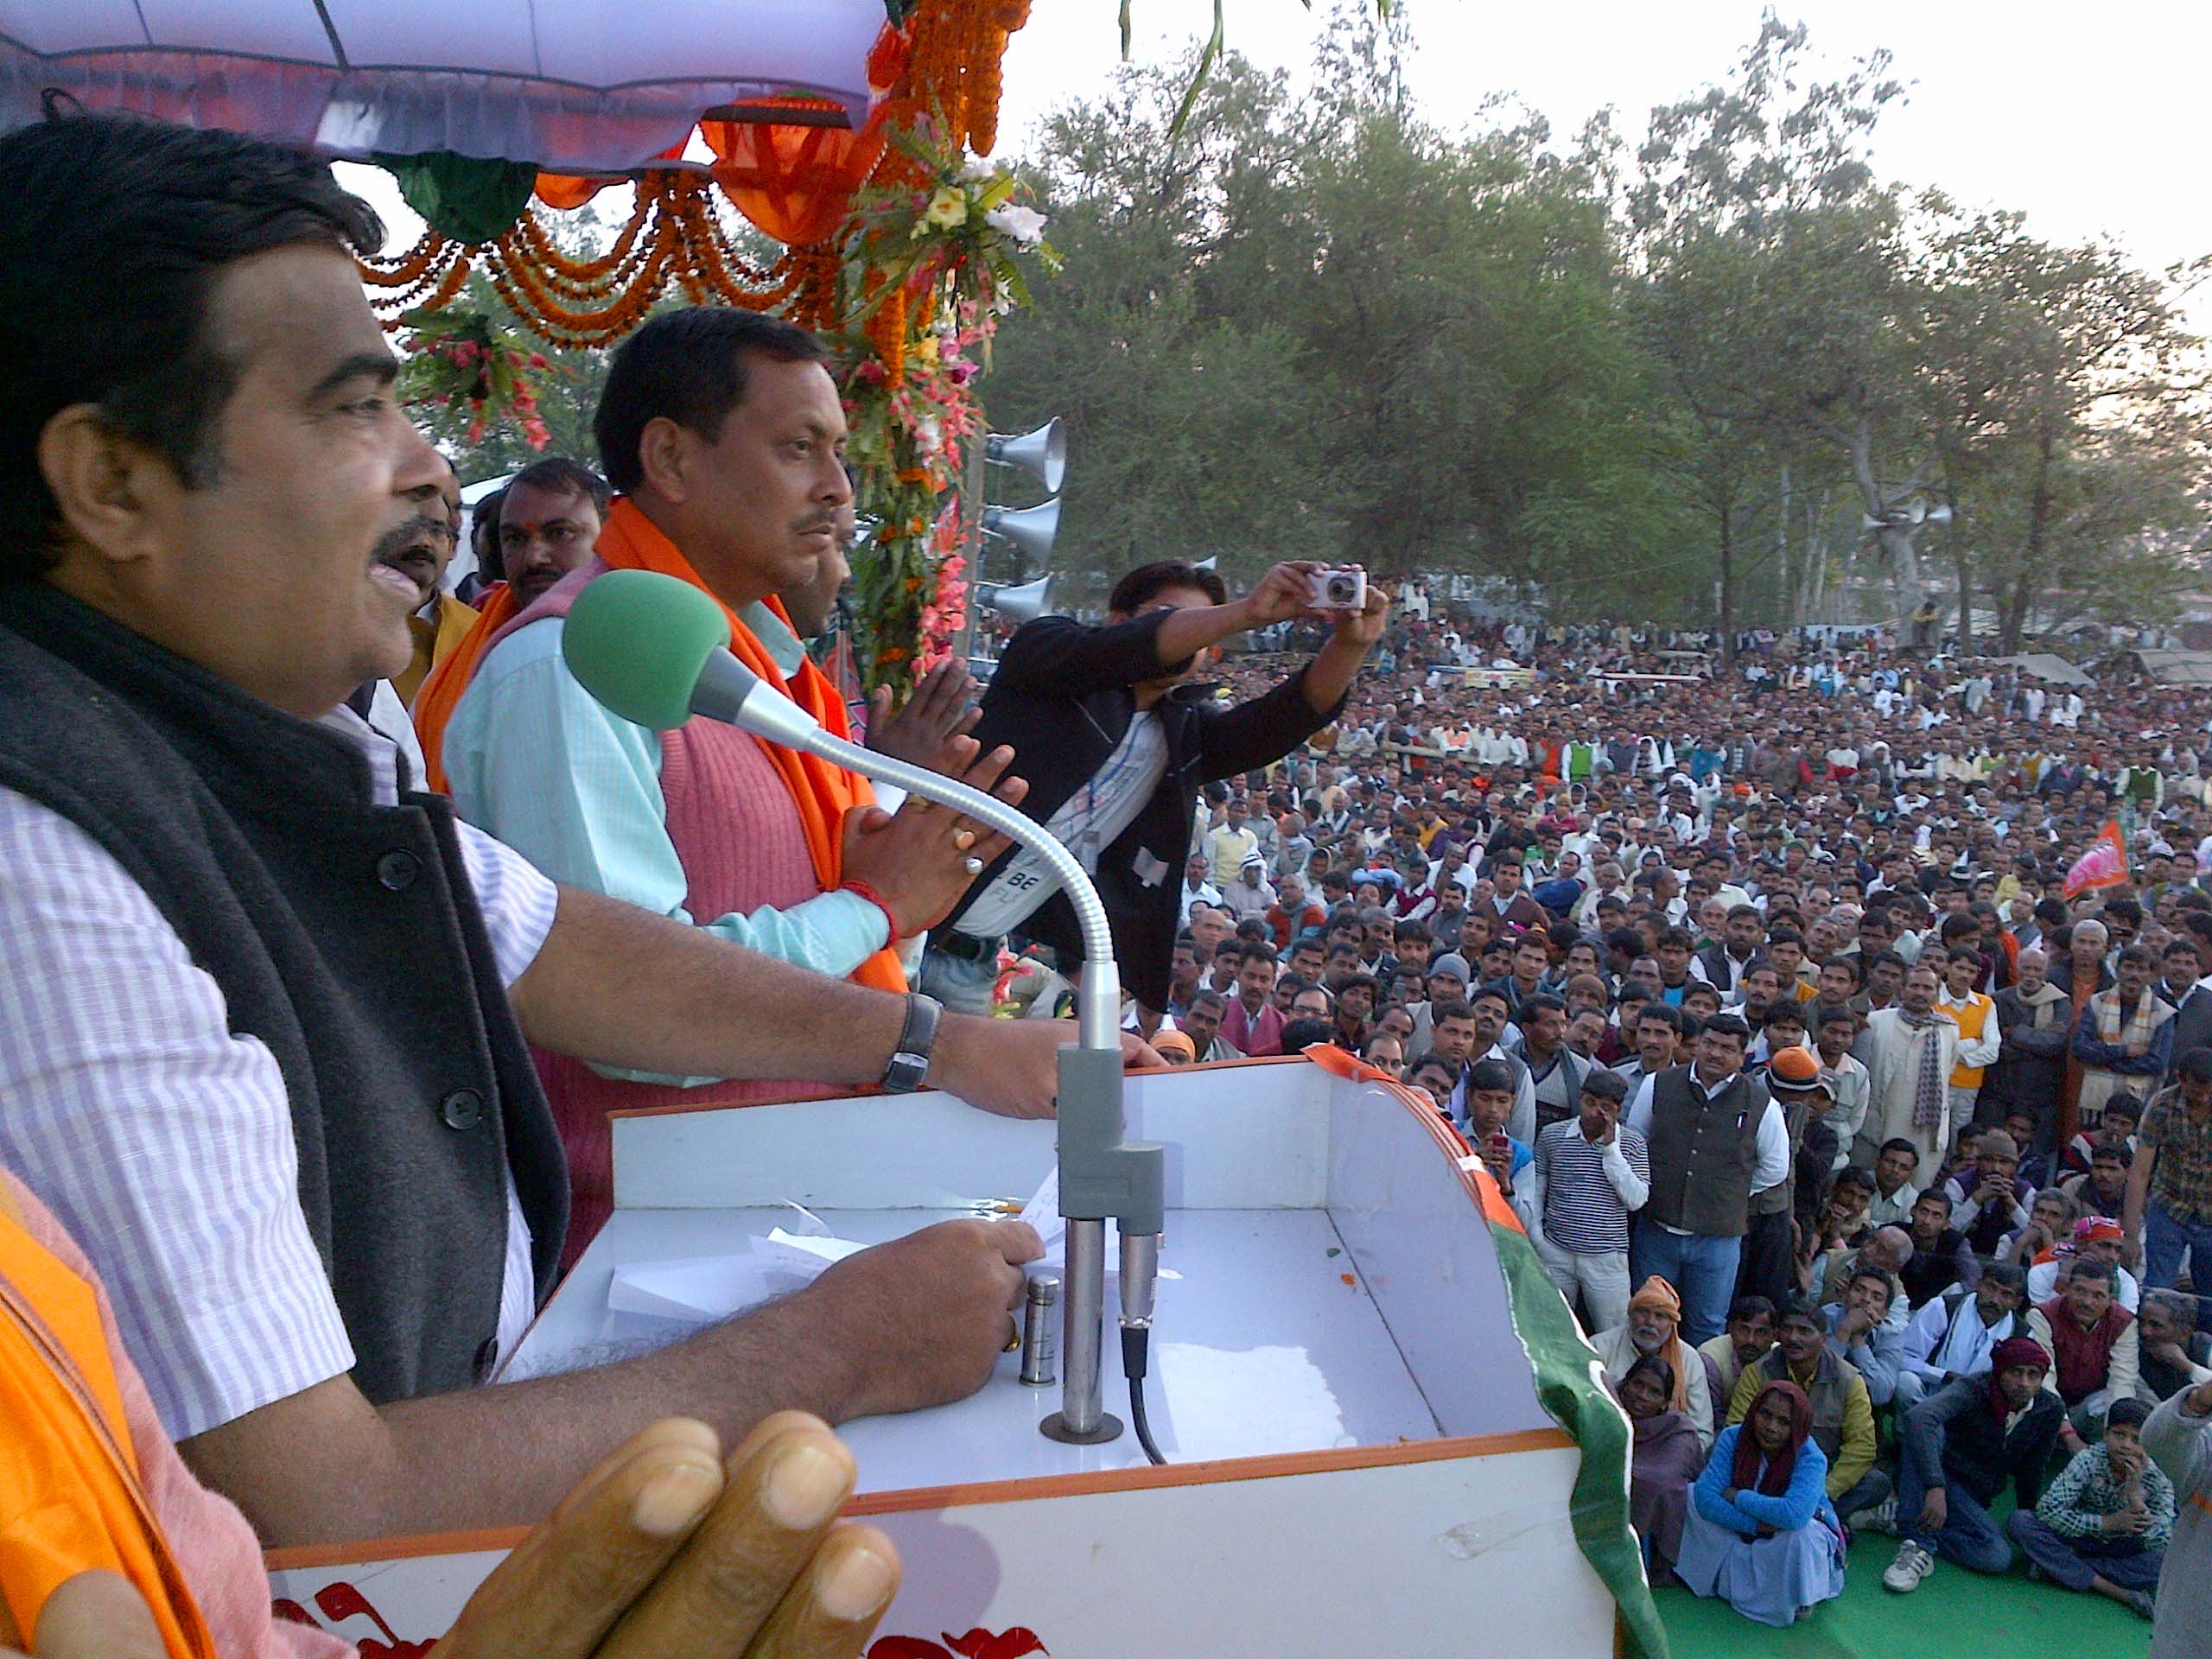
[163,1141]
[1588,1191]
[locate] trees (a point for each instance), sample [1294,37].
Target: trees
[1321,329]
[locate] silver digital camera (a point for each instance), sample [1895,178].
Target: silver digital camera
[1339,589]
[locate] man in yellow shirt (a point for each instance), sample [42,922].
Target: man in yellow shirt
[1980,1038]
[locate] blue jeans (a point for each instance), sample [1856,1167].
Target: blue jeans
[2164,1239]
[2074,1562]
[1968,1537]
[1702,1270]
[963,985]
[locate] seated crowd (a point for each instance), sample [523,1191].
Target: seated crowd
[1939,1239]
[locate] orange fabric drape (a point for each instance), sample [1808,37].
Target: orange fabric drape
[795,182]
[824,794]
[440,692]
[70,1485]
[566,191]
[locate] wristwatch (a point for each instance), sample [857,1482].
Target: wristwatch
[910,1061]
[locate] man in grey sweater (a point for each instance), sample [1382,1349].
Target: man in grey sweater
[2178,1437]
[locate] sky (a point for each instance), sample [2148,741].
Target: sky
[2089,120]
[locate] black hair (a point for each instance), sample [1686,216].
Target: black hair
[1750,1307]
[1456,1008]
[1853,1175]
[2010,1274]
[1147,580]
[1606,1085]
[1491,1074]
[1727,1024]
[687,366]
[116,231]
[2130,1412]
[2088,1268]
[558,475]
[1801,1308]
[1301,1034]
[1210,997]
[1898,1143]
[1252,952]
[1659,1371]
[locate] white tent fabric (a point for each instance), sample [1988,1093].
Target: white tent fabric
[2048,666]
[572,85]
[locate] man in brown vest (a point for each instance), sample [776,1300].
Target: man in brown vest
[1715,1138]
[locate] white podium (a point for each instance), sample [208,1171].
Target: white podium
[1358,1464]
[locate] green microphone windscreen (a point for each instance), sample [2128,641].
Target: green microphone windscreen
[636,641]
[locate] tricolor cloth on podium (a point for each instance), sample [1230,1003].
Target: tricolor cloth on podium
[2105,864]
[1568,1373]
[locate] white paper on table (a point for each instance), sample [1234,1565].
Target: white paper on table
[697,1288]
[700,1288]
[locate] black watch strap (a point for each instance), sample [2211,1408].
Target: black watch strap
[910,1061]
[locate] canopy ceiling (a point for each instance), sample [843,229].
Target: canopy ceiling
[581,87]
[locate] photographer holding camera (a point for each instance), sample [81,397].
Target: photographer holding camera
[1116,737]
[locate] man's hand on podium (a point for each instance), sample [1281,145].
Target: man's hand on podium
[921,1320]
[663,1551]
[1012,1067]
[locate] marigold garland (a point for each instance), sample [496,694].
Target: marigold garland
[916,299]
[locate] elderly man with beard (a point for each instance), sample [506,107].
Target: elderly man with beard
[1654,1329]
[2035,1022]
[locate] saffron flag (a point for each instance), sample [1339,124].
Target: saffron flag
[2104,865]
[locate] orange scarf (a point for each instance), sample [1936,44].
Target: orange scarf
[441,691]
[69,1479]
[824,794]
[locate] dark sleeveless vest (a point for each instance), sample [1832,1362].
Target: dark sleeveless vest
[1703,1154]
[345,937]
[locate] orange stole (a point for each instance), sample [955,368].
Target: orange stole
[442,690]
[824,793]
[72,1499]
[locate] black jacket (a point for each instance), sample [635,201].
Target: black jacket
[1062,696]
[1957,1430]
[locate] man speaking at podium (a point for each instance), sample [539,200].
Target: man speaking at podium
[1115,744]
[263,1047]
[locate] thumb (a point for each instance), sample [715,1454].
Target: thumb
[865,821]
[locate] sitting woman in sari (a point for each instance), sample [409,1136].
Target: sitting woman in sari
[1666,1457]
[1761,1534]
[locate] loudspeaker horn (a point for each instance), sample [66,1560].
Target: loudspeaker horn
[1030,529]
[1939,514]
[1867,521]
[1017,605]
[1043,454]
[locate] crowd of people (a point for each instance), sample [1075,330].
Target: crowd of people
[337,918]
[1773,992]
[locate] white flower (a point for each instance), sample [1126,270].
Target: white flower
[1024,226]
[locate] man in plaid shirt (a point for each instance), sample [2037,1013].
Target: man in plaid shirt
[2105,1522]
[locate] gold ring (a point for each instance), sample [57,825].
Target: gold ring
[963,839]
[1014,1341]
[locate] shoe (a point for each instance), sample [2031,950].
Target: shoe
[1881,1519]
[2143,1603]
[1912,1566]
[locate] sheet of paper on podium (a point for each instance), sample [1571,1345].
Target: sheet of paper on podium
[700,1288]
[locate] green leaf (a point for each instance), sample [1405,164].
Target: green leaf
[1198,77]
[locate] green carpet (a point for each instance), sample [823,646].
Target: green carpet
[1955,1615]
